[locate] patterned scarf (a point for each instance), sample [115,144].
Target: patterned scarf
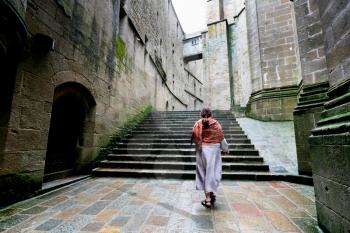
[207,131]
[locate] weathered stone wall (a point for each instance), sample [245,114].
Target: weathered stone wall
[330,140]
[254,45]
[217,67]
[124,62]
[213,11]
[240,59]
[314,78]
[278,43]
[273,50]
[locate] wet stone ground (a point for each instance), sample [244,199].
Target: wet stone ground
[153,205]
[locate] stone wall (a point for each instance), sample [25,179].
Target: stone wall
[213,11]
[330,140]
[314,78]
[254,45]
[274,61]
[240,59]
[217,66]
[116,63]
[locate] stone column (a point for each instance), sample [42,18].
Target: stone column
[314,83]
[273,54]
[216,58]
[330,140]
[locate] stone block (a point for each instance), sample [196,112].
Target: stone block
[29,161]
[36,88]
[23,140]
[333,195]
[331,161]
[330,221]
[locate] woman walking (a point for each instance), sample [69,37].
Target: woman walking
[208,137]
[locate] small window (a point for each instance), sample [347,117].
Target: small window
[195,42]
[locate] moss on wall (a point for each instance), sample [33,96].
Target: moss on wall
[131,122]
[120,52]
[16,187]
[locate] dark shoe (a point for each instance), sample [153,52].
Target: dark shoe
[206,204]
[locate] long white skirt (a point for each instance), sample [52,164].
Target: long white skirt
[208,168]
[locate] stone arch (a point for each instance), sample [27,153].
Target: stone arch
[71,133]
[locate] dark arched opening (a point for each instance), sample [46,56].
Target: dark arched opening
[167,106]
[71,132]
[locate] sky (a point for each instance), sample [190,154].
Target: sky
[192,15]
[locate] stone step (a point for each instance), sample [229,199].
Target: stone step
[171,165]
[176,145]
[182,136]
[246,152]
[179,174]
[160,147]
[165,132]
[191,124]
[180,128]
[184,158]
[175,141]
[184,122]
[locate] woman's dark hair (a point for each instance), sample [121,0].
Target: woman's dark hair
[205,113]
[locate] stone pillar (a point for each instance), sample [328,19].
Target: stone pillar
[330,140]
[217,63]
[314,83]
[273,51]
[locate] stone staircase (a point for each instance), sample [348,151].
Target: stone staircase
[160,147]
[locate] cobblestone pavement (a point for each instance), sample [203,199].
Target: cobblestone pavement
[275,142]
[152,205]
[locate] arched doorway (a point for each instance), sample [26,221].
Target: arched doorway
[71,132]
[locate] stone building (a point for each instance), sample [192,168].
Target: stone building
[71,73]
[288,60]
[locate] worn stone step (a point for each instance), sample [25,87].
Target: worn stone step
[185,158]
[191,124]
[180,128]
[178,135]
[175,165]
[165,132]
[179,174]
[246,152]
[184,122]
[168,141]
[176,145]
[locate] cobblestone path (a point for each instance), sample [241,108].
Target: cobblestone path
[152,205]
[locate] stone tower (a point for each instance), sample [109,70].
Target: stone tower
[216,59]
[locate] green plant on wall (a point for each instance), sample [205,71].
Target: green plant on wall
[120,52]
[131,122]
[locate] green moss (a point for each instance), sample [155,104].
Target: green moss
[131,122]
[120,50]
[16,187]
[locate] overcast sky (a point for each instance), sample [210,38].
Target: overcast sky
[192,14]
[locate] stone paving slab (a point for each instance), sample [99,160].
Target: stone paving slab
[151,205]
